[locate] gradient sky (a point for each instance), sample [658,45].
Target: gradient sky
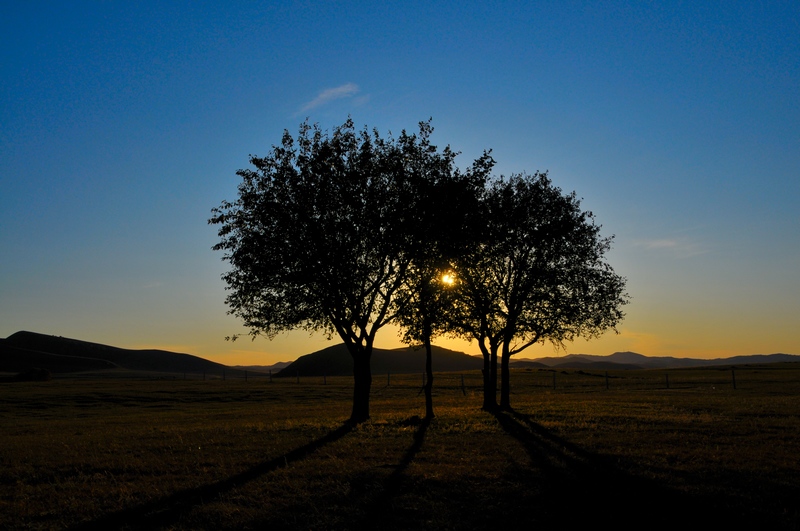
[122,124]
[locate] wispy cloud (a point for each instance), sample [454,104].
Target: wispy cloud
[679,247]
[660,244]
[344,91]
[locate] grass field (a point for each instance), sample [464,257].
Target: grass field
[631,450]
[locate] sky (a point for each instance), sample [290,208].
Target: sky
[122,124]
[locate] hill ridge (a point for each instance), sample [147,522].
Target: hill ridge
[634,360]
[336,361]
[25,350]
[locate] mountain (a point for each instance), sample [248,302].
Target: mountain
[25,350]
[527,364]
[336,361]
[632,360]
[264,368]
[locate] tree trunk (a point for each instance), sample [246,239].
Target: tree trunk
[494,377]
[362,384]
[489,380]
[505,380]
[429,381]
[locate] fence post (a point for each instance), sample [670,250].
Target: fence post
[733,377]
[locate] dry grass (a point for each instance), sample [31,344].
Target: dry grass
[137,454]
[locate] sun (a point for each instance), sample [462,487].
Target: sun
[448,279]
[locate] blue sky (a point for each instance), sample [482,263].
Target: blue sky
[123,124]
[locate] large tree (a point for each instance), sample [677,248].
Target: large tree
[537,272]
[321,236]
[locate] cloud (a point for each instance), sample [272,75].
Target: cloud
[679,247]
[344,91]
[660,244]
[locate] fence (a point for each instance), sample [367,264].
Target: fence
[777,376]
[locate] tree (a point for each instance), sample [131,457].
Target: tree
[320,237]
[446,203]
[536,273]
[424,299]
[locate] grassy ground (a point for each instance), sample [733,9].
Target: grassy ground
[626,451]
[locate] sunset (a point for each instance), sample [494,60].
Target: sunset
[122,127]
[250,184]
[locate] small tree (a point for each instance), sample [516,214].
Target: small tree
[445,203]
[320,237]
[537,273]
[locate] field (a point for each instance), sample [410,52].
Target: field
[631,449]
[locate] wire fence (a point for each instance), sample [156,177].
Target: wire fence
[778,376]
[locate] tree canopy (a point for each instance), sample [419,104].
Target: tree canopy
[536,273]
[346,232]
[445,222]
[324,232]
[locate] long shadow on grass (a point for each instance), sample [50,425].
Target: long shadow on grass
[168,510]
[376,510]
[578,487]
[392,483]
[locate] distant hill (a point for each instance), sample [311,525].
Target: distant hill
[336,361]
[527,364]
[264,368]
[632,360]
[26,350]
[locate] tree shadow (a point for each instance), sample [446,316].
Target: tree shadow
[166,511]
[578,487]
[377,508]
[392,484]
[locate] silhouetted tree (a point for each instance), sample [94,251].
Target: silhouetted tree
[322,235]
[446,204]
[536,273]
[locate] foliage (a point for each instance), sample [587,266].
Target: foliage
[309,239]
[322,235]
[536,273]
[348,232]
[446,201]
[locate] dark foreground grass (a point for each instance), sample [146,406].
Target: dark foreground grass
[136,454]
